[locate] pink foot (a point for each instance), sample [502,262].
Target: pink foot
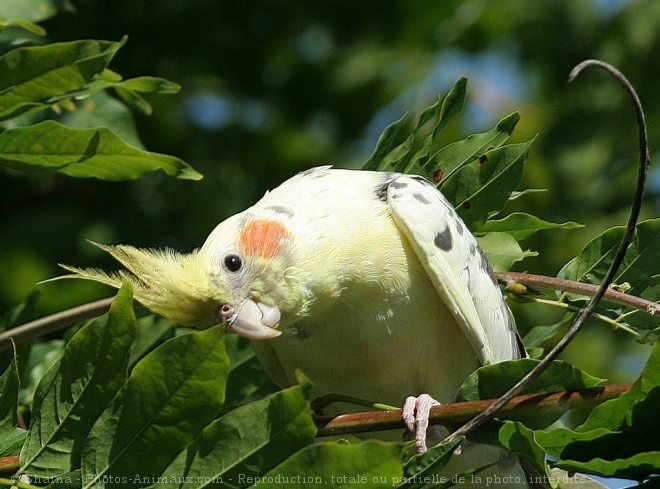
[415,414]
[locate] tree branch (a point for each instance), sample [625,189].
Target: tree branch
[69,317]
[10,464]
[543,282]
[54,322]
[460,412]
[583,315]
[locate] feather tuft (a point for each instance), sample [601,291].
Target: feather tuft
[169,283]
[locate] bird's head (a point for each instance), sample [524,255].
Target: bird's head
[241,277]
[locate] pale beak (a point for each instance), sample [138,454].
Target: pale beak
[253,320]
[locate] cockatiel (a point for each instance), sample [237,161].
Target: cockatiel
[368,282]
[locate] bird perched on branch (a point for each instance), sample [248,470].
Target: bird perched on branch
[368,282]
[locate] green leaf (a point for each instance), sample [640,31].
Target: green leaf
[538,335]
[9,397]
[638,267]
[338,464]
[520,440]
[648,289]
[516,194]
[522,226]
[170,396]
[619,437]
[11,437]
[614,413]
[246,375]
[502,250]
[70,480]
[386,142]
[491,381]
[16,316]
[150,84]
[35,77]
[34,10]
[396,160]
[11,442]
[83,153]
[391,155]
[458,154]
[134,100]
[129,91]
[572,480]
[482,188]
[595,258]
[421,467]
[452,105]
[26,25]
[638,466]
[244,443]
[103,110]
[152,330]
[74,392]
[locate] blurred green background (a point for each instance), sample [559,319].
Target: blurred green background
[271,88]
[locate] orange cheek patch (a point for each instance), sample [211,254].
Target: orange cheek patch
[263,237]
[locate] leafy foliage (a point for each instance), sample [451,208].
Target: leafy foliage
[617,439]
[11,437]
[98,414]
[99,153]
[72,394]
[523,226]
[637,272]
[55,76]
[35,10]
[491,381]
[126,402]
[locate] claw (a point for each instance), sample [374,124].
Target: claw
[415,414]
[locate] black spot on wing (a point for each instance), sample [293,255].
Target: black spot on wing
[420,198]
[459,227]
[441,197]
[443,239]
[484,265]
[397,184]
[387,179]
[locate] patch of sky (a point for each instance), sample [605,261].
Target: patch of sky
[315,44]
[496,83]
[607,9]
[213,111]
[209,111]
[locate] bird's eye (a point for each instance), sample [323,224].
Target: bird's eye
[233,263]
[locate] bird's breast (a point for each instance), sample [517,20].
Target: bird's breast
[378,331]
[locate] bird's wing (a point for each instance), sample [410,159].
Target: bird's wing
[456,265]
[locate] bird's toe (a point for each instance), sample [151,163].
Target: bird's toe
[415,414]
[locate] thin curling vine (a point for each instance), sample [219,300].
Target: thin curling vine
[643,165]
